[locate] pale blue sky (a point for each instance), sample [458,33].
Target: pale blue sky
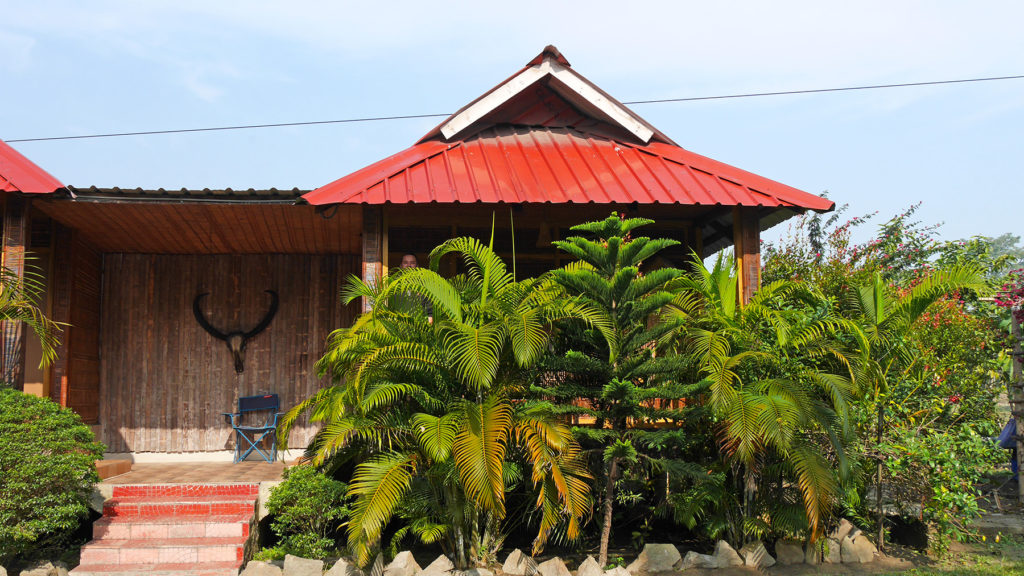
[94,67]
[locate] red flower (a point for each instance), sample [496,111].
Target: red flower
[954,398]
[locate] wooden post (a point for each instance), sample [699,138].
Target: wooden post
[373,248]
[1017,398]
[16,230]
[61,288]
[747,247]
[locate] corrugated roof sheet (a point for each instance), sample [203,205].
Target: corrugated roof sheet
[547,134]
[515,164]
[19,174]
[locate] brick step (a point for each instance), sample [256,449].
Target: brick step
[167,490]
[163,551]
[150,527]
[179,506]
[206,569]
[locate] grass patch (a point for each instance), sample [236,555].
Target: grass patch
[1003,558]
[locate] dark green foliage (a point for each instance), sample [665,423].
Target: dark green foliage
[46,473]
[620,379]
[930,359]
[308,510]
[430,409]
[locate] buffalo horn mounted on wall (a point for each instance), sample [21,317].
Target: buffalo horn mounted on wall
[236,340]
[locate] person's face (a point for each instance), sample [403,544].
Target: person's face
[408,261]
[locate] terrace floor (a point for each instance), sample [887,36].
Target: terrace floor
[199,473]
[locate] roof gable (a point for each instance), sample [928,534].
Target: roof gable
[19,174]
[547,134]
[547,74]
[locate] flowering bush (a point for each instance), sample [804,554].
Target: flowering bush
[935,471]
[940,390]
[1011,294]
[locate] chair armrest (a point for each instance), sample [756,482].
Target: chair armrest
[230,417]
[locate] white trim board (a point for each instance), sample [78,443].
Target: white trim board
[565,77]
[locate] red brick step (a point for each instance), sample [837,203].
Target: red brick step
[208,569]
[148,527]
[163,550]
[215,505]
[172,530]
[167,490]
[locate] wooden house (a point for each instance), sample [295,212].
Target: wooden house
[540,152]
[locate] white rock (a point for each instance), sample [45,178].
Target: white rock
[258,568]
[847,552]
[442,564]
[377,568]
[344,568]
[725,556]
[754,554]
[863,549]
[519,564]
[42,568]
[3,571]
[789,552]
[841,531]
[296,566]
[617,571]
[553,567]
[478,572]
[695,560]
[832,554]
[590,567]
[402,565]
[656,558]
[812,553]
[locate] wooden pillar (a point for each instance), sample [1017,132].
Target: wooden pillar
[61,288]
[16,230]
[747,245]
[373,248]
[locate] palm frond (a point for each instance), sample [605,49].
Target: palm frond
[378,486]
[479,451]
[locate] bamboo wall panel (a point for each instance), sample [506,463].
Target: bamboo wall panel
[16,231]
[76,285]
[166,381]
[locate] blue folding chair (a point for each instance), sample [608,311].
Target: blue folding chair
[249,435]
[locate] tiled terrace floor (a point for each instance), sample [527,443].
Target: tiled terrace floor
[200,472]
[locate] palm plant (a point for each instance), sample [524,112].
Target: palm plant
[20,295]
[779,386]
[619,374]
[887,350]
[430,406]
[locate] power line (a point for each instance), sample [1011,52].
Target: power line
[818,90]
[414,116]
[216,128]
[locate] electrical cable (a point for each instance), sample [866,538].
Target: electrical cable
[414,116]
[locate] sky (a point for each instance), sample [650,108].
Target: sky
[72,68]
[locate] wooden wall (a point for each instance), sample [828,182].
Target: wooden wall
[76,303]
[165,381]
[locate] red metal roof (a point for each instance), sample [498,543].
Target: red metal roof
[547,134]
[516,164]
[19,174]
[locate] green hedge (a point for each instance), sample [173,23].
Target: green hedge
[47,471]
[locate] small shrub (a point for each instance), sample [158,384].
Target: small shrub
[47,471]
[308,509]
